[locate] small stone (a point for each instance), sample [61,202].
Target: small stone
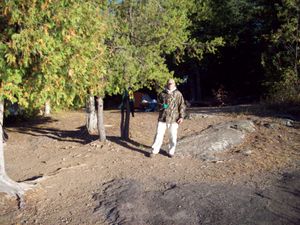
[272,125]
[247,152]
[216,161]
[268,125]
[289,123]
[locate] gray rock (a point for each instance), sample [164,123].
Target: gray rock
[126,202]
[288,122]
[217,138]
[192,116]
[246,152]
[243,125]
[271,125]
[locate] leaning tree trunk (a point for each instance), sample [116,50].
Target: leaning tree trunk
[91,122]
[101,129]
[47,111]
[7,185]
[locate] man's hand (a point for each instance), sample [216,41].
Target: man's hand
[180,120]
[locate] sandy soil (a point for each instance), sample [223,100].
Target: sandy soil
[70,167]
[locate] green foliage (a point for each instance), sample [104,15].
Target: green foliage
[63,50]
[221,19]
[281,60]
[51,50]
[145,32]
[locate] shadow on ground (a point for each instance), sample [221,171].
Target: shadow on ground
[80,135]
[130,144]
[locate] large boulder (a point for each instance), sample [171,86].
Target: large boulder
[216,138]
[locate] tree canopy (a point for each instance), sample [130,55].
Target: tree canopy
[64,50]
[51,50]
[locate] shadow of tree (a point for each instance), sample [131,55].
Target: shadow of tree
[80,135]
[136,146]
[17,122]
[130,144]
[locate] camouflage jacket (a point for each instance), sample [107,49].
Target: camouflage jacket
[171,106]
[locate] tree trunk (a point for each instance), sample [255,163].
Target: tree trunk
[91,122]
[7,185]
[198,90]
[125,119]
[296,48]
[122,120]
[197,82]
[47,108]
[192,87]
[101,129]
[2,167]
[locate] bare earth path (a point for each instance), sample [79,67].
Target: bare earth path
[82,181]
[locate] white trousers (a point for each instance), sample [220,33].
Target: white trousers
[159,137]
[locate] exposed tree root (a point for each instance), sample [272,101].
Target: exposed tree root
[14,189]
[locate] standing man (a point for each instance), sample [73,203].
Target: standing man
[171,113]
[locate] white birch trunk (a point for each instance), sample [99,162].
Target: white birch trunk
[7,185]
[91,118]
[47,108]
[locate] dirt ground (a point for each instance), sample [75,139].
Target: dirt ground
[70,167]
